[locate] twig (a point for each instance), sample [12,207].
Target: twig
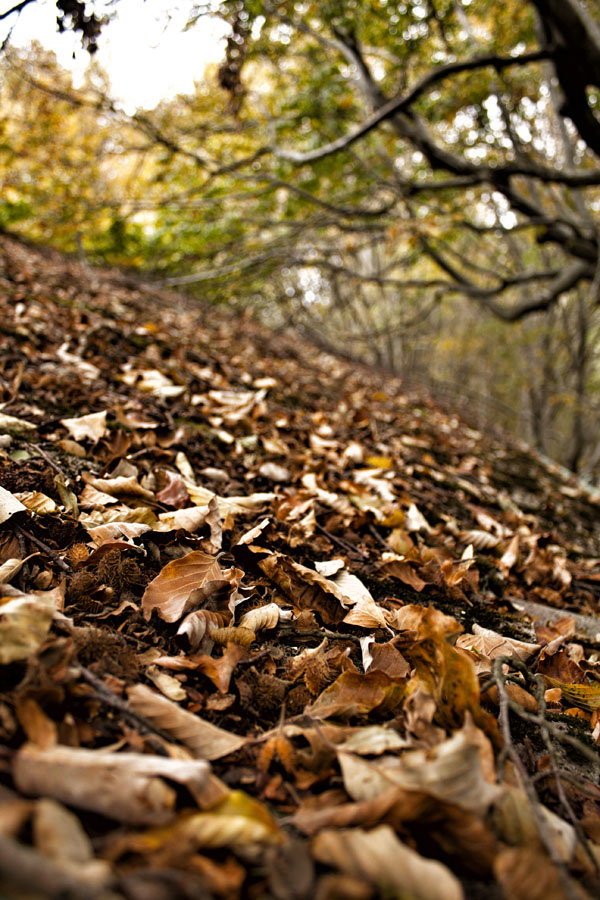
[108,697]
[347,546]
[554,766]
[511,751]
[48,550]
[49,460]
[314,634]
[378,538]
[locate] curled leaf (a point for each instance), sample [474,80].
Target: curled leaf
[264,617]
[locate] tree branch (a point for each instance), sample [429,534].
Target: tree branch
[400,104]
[568,279]
[15,9]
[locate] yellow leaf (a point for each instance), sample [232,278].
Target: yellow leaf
[585,696]
[379,462]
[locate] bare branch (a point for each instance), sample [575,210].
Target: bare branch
[565,281]
[400,104]
[15,9]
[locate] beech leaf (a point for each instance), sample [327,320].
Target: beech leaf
[206,741]
[169,592]
[380,858]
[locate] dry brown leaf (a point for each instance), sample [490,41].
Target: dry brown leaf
[511,554]
[366,614]
[166,684]
[170,591]
[380,858]
[206,741]
[38,502]
[526,873]
[490,644]
[386,658]
[355,694]
[174,493]
[129,787]
[199,623]
[119,486]
[9,505]
[103,533]
[404,572]
[237,821]
[12,567]
[24,623]
[228,505]
[451,772]
[221,669]
[233,634]
[59,836]
[328,498]
[92,426]
[481,540]
[261,618]
[38,727]
[305,587]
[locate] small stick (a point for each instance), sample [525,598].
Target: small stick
[346,545]
[48,550]
[48,459]
[511,751]
[105,695]
[555,769]
[380,540]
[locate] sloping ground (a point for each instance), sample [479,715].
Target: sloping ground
[271,627]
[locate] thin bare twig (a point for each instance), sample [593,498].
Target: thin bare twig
[48,550]
[526,784]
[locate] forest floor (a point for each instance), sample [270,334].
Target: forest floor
[272,627]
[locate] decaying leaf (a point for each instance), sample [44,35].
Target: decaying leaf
[380,858]
[92,426]
[118,486]
[451,772]
[206,741]
[355,694]
[170,591]
[24,623]
[261,618]
[306,588]
[199,623]
[236,821]
[128,787]
[492,645]
[9,505]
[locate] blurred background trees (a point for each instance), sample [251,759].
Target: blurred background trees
[414,184]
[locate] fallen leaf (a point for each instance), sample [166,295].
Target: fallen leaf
[92,426]
[380,858]
[206,741]
[355,694]
[492,645]
[170,591]
[261,618]
[9,505]
[24,623]
[129,787]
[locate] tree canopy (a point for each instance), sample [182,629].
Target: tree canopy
[354,168]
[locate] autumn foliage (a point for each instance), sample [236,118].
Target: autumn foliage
[273,626]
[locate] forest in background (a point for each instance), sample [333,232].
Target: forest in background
[414,184]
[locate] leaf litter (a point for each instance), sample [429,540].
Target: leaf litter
[270,625]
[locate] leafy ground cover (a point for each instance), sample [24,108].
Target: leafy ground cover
[271,626]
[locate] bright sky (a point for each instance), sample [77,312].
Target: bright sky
[146,56]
